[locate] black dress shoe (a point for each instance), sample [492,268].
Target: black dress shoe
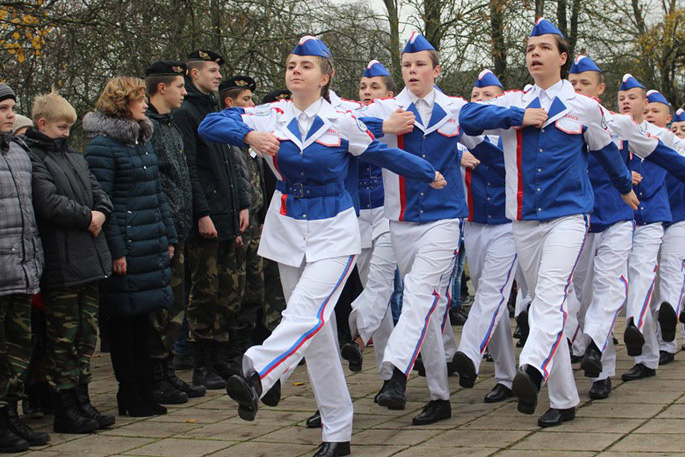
[353,354]
[681,317]
[576,358]
[554,417]
[498,393]
[665,358]
[328,449]
[458,316]
[634,339]
[418,366]
[667,321]
[526,387]
[273,396]
[592,361]
[517,332]
[466,370]
[385,386]
[434,411]
[394,395]
[246,391]
[639,371]
[600,390]
[314,421]
[522,322]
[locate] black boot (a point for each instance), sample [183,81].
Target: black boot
[19,428]
[9,441]
[68,416]
[179,384]
[592,361]
[526,386]
[394,395]
[130,402]
[225,360]
[162,391]
[203,373]
[245,390]
[88,410]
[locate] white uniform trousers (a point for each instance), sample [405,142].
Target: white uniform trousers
[601,286]
[642,268]
[671,276]
[523,298]
[311,292]
[425,256]
[548,254]
[371,315]
[492,265]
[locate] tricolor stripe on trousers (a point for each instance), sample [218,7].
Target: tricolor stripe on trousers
[613,321]
[495,317]
[648,299]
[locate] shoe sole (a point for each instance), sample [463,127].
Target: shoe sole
[563,419]
[628,379]
[248,403]
[598,397]
[466,370]
[667,321]
[353,357]
[634,341]
[524,389]
[591,367]
[391,405]
[442,418]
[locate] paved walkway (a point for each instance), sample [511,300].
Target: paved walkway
[643,418]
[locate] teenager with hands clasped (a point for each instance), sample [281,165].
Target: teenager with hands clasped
[311,230]
[547,132]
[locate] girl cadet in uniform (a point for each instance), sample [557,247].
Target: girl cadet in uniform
[546,133]
[424,226]
[311,230]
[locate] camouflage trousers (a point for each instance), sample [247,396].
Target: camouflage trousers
[274,301]
[217,270]
[253,299]
[15,344]
[166,322]
[71,328]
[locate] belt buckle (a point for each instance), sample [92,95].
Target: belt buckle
[298,190]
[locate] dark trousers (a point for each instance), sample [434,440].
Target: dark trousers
[129,341]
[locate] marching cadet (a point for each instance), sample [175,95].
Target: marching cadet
[671,274]
[654,210]
[547,133]
[221,202]
[238,92]
[600,280]
[424,226]
[678,123]
[165,86]
[492,265]
[311,230]
[371,315]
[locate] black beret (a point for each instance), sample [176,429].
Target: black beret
[275,95]
[238,82]
[166,68]
[205,55]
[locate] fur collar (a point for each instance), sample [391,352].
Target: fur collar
[125,131]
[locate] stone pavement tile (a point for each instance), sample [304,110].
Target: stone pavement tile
[215,402]
[654,384]
[204,416]
[404,423]
[650,443]
[367,421]
[620,410]
[664,397]
[639,454]
[597,424]
[174,447]
[43,453]
[99,445]
[663,426]
[497,422]
[367,406]
[675,411]
[476,438]
[566,441]
[232,432]
[296,403]
[532,453]
[404,437]
[272,416]
[259,449]
[442,451]
[150,429]
[295,435]
[374,451]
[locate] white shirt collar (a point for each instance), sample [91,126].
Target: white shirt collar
[552,91]
[311,110]
[428,99]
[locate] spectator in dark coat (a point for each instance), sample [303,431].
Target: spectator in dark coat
[71,208]
[140,235]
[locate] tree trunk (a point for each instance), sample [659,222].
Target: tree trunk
[394,22]
[499,48]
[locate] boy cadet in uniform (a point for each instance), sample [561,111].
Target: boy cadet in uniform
[424,227]
[547,133]
[21,266]
[165,85]
[221,203]
[600,281]
[492,265]
[678,123]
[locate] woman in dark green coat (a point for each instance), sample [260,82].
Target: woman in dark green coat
[140,235]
